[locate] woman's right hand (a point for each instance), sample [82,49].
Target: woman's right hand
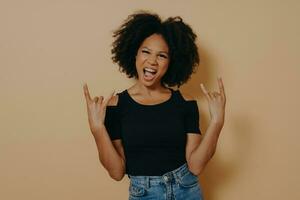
[96,109]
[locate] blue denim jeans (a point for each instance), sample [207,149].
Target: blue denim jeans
[179,184]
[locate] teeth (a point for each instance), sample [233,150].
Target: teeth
[150,70]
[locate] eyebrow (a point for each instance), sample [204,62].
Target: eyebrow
[158,52]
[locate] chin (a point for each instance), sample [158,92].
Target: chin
[148,83]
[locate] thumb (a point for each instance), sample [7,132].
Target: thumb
[204,90]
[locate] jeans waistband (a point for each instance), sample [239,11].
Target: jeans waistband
[173,175]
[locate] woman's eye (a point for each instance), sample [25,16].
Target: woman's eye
[162,56]
[145,51]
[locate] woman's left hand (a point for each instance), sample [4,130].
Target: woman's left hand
[216,102]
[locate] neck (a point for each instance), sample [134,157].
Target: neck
[140,88]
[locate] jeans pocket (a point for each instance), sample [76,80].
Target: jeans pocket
[188,180]
[136,190]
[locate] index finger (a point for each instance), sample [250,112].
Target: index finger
[86,92]
[221,87]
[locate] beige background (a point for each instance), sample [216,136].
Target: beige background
[49,48]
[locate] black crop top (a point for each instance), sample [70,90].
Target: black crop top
[153,136]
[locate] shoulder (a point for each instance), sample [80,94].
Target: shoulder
[186,96]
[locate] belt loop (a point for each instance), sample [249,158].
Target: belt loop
[147,182]
[177,174]
[176,177]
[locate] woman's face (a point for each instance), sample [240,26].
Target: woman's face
[152,60]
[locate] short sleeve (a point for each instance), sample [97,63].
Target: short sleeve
[112,122]
[191,117]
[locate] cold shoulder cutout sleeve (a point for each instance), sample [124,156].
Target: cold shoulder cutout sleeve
[112,122]
[191,117]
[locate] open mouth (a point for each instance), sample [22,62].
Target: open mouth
[149,73]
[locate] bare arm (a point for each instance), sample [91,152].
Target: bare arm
[200,150]
[110,154]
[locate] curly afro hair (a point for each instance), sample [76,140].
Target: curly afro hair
[179,36]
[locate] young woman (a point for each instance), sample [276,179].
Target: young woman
[150,131]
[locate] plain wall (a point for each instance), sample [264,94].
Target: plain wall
[48,49]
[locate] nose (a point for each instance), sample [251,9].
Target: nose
[152,60]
